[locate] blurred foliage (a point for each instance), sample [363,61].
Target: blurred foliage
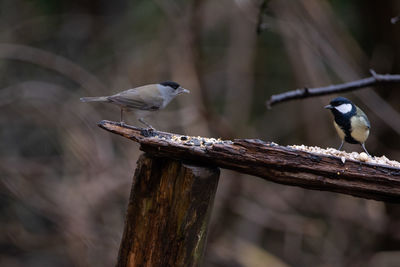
[64,183]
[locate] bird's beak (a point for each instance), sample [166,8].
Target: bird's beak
[183,90]
[328,107]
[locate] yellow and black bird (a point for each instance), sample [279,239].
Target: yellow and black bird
[351,123]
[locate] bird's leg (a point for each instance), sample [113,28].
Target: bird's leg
[341,145]
[363,146]
[145,123]
[149,131]
[121,121]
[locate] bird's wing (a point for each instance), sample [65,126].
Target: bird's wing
[145,98]
[363,118]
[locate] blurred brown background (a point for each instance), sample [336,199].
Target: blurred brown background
[64,182]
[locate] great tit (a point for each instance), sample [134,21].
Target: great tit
[150,97]
[351,123]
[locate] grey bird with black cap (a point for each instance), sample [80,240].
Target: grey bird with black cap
[149,97]
[351,123]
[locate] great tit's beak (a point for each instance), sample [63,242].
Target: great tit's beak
[329,107]
[183,90]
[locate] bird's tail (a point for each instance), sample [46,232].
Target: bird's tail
[94,99]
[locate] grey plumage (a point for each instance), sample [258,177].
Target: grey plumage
[148,98]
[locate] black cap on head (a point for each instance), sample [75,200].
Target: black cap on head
[340,100]
[171,84]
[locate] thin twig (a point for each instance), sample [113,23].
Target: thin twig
[375,79]
[260,24]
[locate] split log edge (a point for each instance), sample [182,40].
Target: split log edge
[272,162]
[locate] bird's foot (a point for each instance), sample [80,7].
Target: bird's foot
[148,132]
[363,146]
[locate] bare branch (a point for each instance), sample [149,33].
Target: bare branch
[271,162]
[375,79]
[260,25]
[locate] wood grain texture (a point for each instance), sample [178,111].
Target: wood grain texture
[273,163]
[168,213]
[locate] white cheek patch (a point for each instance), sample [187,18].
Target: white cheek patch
[344,108]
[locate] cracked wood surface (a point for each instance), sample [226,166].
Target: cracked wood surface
[168,213]
[271,162]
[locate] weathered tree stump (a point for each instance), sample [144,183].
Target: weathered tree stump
[168,213]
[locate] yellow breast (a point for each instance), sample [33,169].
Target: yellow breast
[359,129]
[339,130]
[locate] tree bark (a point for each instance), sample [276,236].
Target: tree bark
[168,213]
[375,79]
[272,162]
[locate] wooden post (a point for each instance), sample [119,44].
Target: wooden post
[168,213]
